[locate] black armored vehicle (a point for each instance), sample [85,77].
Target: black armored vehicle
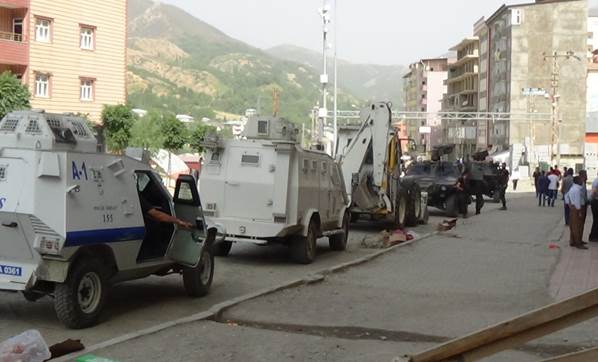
[439,179]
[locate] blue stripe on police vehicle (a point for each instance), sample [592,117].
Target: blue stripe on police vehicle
[2,202]
[87,237]
[14,271]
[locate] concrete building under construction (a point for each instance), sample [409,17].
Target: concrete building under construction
[539,46]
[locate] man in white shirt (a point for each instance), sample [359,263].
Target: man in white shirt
[553,188]
[574,199]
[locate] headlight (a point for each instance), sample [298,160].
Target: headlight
[442,188]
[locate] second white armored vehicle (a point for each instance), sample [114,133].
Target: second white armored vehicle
[267,188]
[74,221]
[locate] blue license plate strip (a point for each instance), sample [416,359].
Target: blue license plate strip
[14,271]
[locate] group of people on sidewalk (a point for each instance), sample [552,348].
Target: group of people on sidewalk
[576,200]
[547,185]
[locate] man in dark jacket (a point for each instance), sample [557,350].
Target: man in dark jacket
[543,183]
[503,182]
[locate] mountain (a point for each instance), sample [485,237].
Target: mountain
[367,81]
[181,64]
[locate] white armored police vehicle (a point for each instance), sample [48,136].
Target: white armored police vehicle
[267,188]
[73,221]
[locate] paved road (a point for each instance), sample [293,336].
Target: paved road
[490,268]
[144,303]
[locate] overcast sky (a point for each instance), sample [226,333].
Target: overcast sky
[369,31]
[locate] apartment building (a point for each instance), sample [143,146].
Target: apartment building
[70,53]
[424,88]
[462,96]
[513,45]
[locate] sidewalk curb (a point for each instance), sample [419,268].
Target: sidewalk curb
[218,309]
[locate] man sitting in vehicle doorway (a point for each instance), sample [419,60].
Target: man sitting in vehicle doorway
[155,214]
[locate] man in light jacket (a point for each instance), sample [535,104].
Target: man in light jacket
[574,199]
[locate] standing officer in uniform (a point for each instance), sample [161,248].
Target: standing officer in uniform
[503,183]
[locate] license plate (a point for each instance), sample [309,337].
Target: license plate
[14,271]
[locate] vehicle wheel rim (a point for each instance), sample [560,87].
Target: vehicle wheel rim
[206,268]
[402,209]
[418,206]
[89,292]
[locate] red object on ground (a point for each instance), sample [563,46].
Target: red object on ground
[553,246]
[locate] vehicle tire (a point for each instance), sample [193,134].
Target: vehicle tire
[222,248]
[338,242]
[197,281]
[303,248]
[79,301]
[413,206]
[451,206]
[400,213]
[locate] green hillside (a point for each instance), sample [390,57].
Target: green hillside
[367,81]
[178,63]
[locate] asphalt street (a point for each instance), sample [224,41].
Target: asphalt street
[490,268]
[144,303]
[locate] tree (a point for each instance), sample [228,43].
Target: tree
[117,122]
[175,136]
[146,132]
[198,134]
[13,94]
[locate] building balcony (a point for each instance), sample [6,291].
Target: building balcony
[13,51]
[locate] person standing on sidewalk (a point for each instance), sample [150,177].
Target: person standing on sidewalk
[594,205]
[553,188]
[567,183]
[574,199]
[503,183]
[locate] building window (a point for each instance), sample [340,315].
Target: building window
[87,38]
[42,30]
[42,85]
[87,89]
[516,16]
[17,29]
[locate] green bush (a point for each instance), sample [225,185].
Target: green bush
[13,94]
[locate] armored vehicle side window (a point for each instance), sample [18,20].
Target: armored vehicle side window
[324,167]
[33,126]
[215,157]
[262,127]
[9,125]
[250,160]
[185,193]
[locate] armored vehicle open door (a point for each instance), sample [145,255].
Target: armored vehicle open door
[188,246]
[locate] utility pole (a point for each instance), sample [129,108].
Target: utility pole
[554,98]
[323,112]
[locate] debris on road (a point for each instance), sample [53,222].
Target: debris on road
[447,225]
[28,346]
[66,347]
[386,239]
